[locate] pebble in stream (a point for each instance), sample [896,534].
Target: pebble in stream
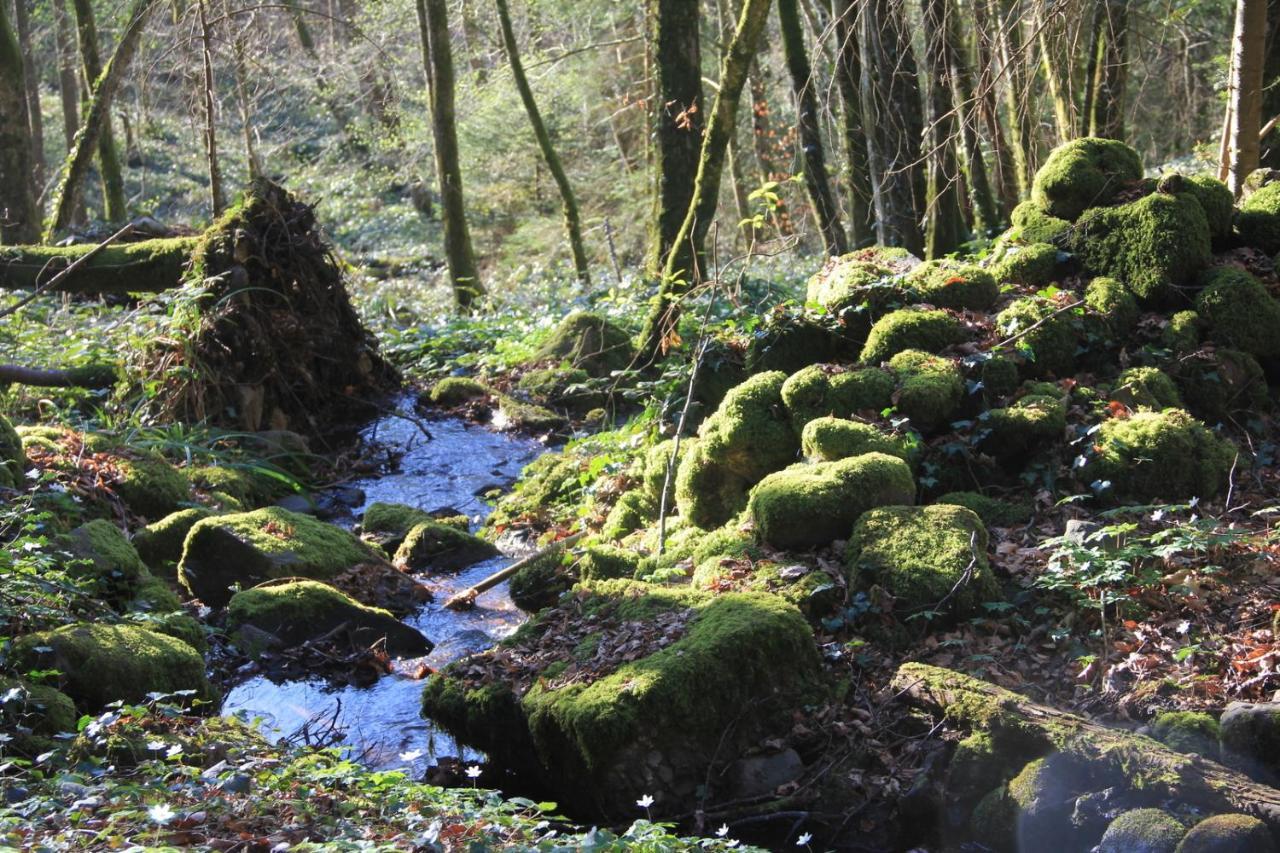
[381,725]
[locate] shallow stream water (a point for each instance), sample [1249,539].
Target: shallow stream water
[381,725]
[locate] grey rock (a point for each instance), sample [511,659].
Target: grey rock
[764,774]
[1251,738]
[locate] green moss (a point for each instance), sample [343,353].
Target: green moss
[590,342]
[999,377]
[953,284]
[1145,388]
[145,266]
[1239,312]
[160,543]
[32,715]
[791,339]
[994,820]
[104,663]
[1112,302]
[824,389]
[1032,225]
[1033,265]
[1216,201]
[388,523]
[441,547]
[929,388]
[249,488]
[102,552]
[550,481]
[605,562]
[248,548]
[654,474]
[298,611]
[1049,348]
[633,511]
[811,590]
[1142,831]
[1084,173]
[540,583]
[861,285]
[1258,219]
[730,541]
[456,390]
[527,417]
[808,505]
[1218,383]
[13,460]
[993,511]
[1154,245]
[828,439]
[921,555]
[1030,423]
[976,766]
[1228,833]
[1182,332]
[1161,455]
[568,388]
[911,329]
[152,487]
[1188,731]
[1251,737]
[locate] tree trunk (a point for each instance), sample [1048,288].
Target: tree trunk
[1106,107]
[825,210]
[114,207]
[97,121]
[1056,65]
[244,105]
[857,171]
[1248,45]
[677,119]
[308,44]
[19,219]
[32,79]
[437,58]
[68,79]
[572,222]
[1016,93]
[944,223]
[149,266]
[973,164]
[1005,167]
[1270,145]
[217,199]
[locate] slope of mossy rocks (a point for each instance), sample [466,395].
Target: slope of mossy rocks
[436,546]
[1167,455]
[159,543]
[713,675]
[589,342]
[1084,173]
[102,663]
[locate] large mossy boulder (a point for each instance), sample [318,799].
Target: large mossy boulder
[860,286]
[1258,219]
[1240,313]
[1084,173]
[828,389]
[1046,336]
[590,342]
[1142,831]
[1228,833]
[102,663]
[749,436]
[152,487]
[655,690]
[808,505]
[297,611]
[100,551]
[929,331]
[13,459]
[930,558]
[929,390]
[1167,455]
[458,390]
[436,546]
[953,284]
[160,543]
[248,548]
[386,524]
[829,439]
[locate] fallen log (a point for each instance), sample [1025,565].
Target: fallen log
[465,599]
[149,266]
[92,376]
[1142,761]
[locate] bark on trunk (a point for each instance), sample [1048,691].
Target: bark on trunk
[945,227]
[217,199]
[974,166]
[149,266]
[32,79]
[99,125]
[1106,108]
[19,219]
[1245,104]
[857,171]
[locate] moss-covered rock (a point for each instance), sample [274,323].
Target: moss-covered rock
[633,510]
[1030,423]
[590,342]
[1239,312]
[1114,305]
[789,340]
[1032,225]
[994,820]
[1142,831]
[103,663]
[1033,265]
[999,377]
[551,480]
[911,329]
[1216,201]
[976,767]
[928,558]
[566,388]
[606,562]
[526,417]
[1050,347]
[1182,332]
[250,488]
[388,523]
[1154,245]
[151,487]
[249,548]
[1187,731]
[32,715]
[100,551]
[159,544]
[1165,455]
[436,546]
[828,439]
[13,459]
[807,505]
[810,589]
[861,285]
[1044,793]
[1145,388]
[953,284]
[1258,219]
[749,436]
[1219,383]
[1251,737]
[929,388]
[1084,173]
[994,512]
[456,390]
[1228,833]
[297,611]
[827,389]
[540,583]
[654,473]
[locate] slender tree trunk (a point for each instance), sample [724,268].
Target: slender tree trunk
[741,192]
[19,219]
[572,222]
[1017,95]
[973,164]
[1248,45]
[677,119]
[1005,167]
[68,84]
[217,199]
[762,139]
[23,20]
[1056,65]
[825,210]
[944,222]
[96,120]
[114,205]
[1270,145]
[1106,109]
[857,170]
[437,58]
[308,44]
[244,105]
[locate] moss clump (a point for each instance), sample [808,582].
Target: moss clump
[994,820]
[929,388]
[388,523]
[993,511]
[1216,201]
[1142,831]
[251,547]
[547,482]
[1049,348]
[100,551]
[566,388]
[811,590]
[824,389]
[1182,333]
[456,390]
[1217,384]
[1239,312]
[922,556]
[1145,388]
[976,766]
[749,436]
[1032,422]
[1188,731]
[605,562]
[590,342]
[808,505]
[952,284]
[540,583]
[789,340]
[1161,455]
[829,439]
[1114,305]
[862,284]
[441,547]
[1153,245]
[104,663]
[1084,173]
[1228,833]
[634,510]
[654,474]
[526,417]
[1033,265]
[298,611]
[13,460]
[1032,225]
[1251,737]
[999,377]
[160,542]
[911,328]
[1258,219]
[32,715]
[152,487]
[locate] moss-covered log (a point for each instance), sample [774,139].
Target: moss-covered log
[149,266]
[1143,761]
